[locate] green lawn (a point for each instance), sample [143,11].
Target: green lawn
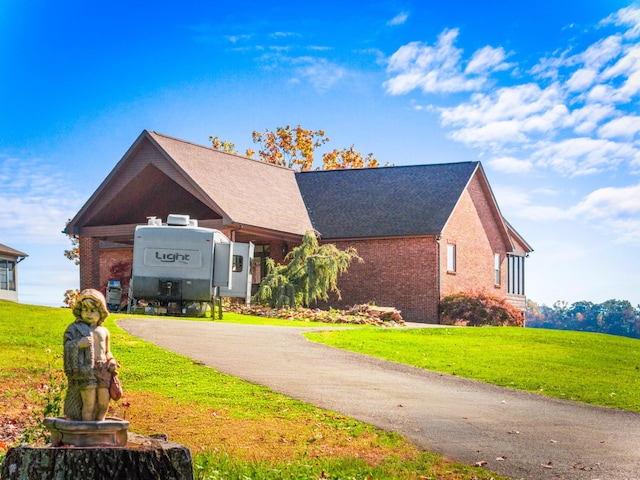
[234,429]
[586,367]
[240,430]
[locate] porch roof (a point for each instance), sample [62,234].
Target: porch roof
[11,252]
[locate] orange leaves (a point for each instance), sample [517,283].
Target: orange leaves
[289,147]
[295,148]
[222,145]
[348,158]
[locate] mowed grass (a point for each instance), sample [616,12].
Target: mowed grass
[233,428]
[585,367]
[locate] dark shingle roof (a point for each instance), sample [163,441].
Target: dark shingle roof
[380,202]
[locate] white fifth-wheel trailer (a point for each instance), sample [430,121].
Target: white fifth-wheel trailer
[181,268]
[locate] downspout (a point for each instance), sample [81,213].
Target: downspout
[438,238]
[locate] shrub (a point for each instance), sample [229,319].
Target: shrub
[311,271]
[478,308]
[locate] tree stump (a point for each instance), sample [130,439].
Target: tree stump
[143,458]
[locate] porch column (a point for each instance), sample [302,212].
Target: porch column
[89,263]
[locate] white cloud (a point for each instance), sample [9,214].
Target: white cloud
[582,122]
[611,202]
[583,155]
[487,59]
[623,127]
[610,209]
[629,17]
[615,211]
[439,68]
[518,203]
[586,119]
[572,115]
[505,104]
[627,67]
[319,72]
[284,34]
[36,202]
[237,38]
[511,165]
[399,19]
[492,135]
[581,79]
[625,230]
[598,55]
[515,115]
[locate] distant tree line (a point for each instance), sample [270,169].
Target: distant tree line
[615,317]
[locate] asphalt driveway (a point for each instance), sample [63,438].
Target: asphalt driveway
[517,434]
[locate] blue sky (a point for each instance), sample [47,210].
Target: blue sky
[545,94]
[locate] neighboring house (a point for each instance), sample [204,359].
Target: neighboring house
[423,231]
[9,259]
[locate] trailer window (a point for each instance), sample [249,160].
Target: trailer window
[237,263]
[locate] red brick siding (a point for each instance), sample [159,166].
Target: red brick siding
[473,229]
[108,258]
[89,263]
[400,273]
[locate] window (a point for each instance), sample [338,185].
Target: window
[496,268]
[237,263]
[7,275]
[515,275]
[451,257]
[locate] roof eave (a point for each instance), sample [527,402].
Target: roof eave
[71,227]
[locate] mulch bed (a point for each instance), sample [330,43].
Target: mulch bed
[364,314]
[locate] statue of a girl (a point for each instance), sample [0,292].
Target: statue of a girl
[88,362]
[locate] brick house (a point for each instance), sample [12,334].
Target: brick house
[423,231]
[9,259]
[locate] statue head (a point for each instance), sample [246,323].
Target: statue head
[93,300]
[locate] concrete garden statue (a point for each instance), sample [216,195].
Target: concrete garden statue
[85,443]
[92,380]
[88,361]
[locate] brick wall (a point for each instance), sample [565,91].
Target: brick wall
[472,228]
[109,257]
[89,263]
[400,273]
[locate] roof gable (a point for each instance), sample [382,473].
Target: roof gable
[201,180]
[386,201]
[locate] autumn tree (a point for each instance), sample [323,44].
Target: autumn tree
[348,158]
[73,253]
[295,148]
[310,273]
[223,145]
